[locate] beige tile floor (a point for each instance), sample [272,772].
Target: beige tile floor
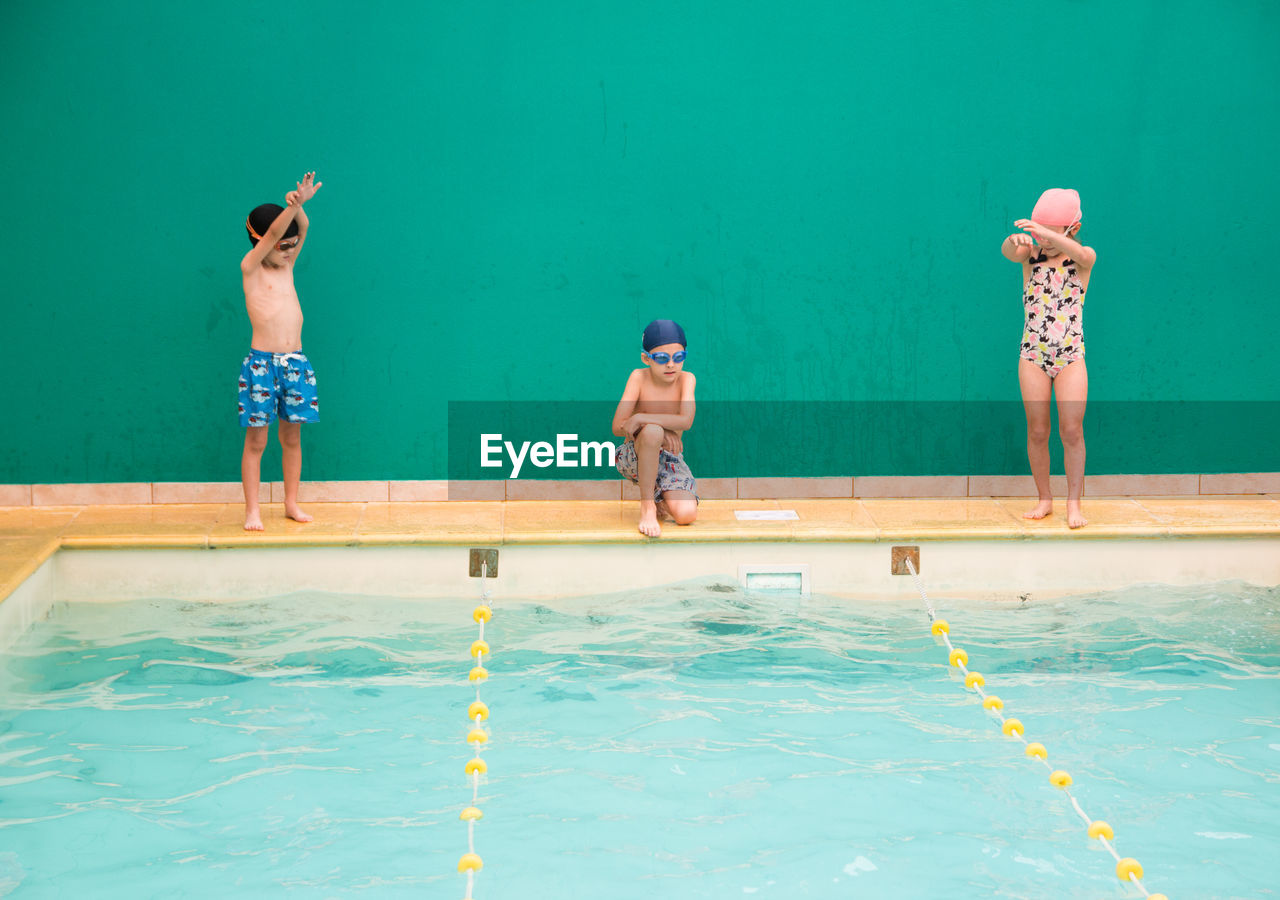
[30,535]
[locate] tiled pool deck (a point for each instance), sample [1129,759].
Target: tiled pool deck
[30,535]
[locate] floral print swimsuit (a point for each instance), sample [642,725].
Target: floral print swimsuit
[1054,304]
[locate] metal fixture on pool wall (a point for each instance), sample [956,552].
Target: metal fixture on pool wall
[898,557]
[483,564]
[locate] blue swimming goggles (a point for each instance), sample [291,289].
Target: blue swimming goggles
[663,358]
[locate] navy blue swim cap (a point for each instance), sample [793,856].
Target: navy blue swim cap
[260,220]
[663,331]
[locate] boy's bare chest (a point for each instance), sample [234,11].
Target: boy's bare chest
[664,399]
[271,290]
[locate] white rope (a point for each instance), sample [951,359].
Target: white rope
[1017,732]
[478,712]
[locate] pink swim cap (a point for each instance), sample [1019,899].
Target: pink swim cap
[1057,206]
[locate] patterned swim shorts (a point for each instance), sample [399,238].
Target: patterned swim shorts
[673,473]
[277,385]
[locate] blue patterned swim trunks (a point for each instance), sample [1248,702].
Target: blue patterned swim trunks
[277,385]
[673,471]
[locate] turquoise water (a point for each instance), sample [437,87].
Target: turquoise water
[689,742]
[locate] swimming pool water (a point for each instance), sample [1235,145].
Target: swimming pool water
[689,742]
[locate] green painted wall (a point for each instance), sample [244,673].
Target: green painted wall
[816,191]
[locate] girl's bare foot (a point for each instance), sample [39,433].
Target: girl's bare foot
[649,519]
[1075,518]
[1040,510]
[292,511]
[252,520]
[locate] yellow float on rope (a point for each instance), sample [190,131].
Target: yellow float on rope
[1101,829]
[479,673]
[958,657]
[940,626]
[974,679]
[1128,866]
[470,862]
[477,765]
[477,709]
[1011,727]
[992,702]
[479,647]
[1037,750]
[471,814]
[476,736]
[482,614]
[1060,779]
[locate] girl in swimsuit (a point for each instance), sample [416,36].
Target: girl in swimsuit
[1055,276]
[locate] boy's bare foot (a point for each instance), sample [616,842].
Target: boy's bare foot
[296,514]
[649,519]
[1075,518]
[1040,510]
[253,520]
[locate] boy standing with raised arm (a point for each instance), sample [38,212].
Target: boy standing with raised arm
[276,380]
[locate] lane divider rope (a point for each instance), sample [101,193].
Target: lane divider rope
[1127,868]
[477,737]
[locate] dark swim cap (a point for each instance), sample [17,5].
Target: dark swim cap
[663,331]
[260,220]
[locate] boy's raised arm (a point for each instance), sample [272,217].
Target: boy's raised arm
[267,242]
[307,188]
[301,217]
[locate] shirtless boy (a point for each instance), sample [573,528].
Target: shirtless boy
[276,380]
[656,408]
